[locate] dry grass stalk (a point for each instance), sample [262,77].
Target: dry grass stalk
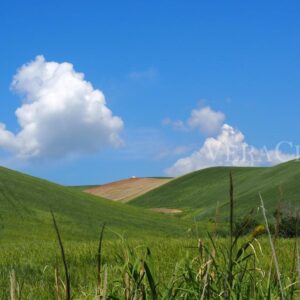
[272,248]
[200,248]
[104,291]
[140,283]
[207,275]
[127,286]
[57,284]
[13,285]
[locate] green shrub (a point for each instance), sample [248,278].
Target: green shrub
[287,223]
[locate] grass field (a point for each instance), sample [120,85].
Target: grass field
[25,204]
[174,265]
[144,255]
[199,193]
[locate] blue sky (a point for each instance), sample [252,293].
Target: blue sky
[156,61]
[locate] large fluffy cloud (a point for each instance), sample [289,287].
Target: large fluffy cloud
[227,149]
[61,113]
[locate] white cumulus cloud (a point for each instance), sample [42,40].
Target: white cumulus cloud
[61,113]
[206,120]
[229,148]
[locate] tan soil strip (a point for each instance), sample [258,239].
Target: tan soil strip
[127,189]
[167,210]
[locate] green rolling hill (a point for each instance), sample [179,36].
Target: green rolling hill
[198,194]
[25,204]
[26,201]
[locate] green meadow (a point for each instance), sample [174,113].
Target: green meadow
[143,254]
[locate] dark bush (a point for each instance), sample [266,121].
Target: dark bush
[287,223]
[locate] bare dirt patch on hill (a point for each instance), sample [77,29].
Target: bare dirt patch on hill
[127,189]
[167,210]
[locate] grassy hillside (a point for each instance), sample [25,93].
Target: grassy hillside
[25,203]
[198,193]
[82,187]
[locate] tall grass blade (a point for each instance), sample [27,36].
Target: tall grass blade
[217,219]
[278,215]
[151,282]
[99,263]
[231,207]
[231,221]
[63,255]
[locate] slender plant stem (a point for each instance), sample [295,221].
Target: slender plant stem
[230,275]
[272,247]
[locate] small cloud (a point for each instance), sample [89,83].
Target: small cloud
[205,119]
[177,125]
[148,74]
